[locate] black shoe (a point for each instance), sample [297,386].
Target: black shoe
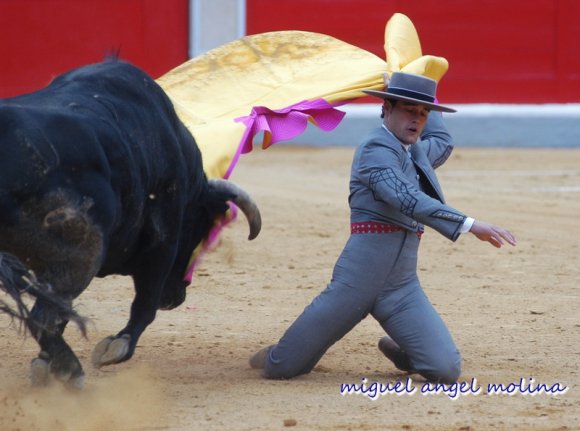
[258,360]
[394,353]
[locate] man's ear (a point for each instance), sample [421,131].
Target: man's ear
[386,108]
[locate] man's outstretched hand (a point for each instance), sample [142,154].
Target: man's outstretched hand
[495,235]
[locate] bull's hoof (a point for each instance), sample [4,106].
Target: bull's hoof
[111,350]
[74,380]
[76,383]
[40,370]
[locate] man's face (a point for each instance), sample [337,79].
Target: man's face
[406,120]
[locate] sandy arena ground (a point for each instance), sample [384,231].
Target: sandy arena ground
[513,313]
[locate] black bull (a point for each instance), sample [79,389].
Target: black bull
[98,176]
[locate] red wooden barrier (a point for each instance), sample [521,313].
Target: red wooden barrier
[501,51]
[40,39]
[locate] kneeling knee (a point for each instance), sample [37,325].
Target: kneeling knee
[446,372]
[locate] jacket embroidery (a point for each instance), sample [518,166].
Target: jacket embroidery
[446,215]
[391,180]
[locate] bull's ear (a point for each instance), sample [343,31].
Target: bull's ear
[243,200]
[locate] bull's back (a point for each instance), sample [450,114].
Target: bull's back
[106,138]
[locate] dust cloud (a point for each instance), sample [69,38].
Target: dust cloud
[117,402]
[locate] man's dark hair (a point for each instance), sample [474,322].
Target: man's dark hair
[391,101]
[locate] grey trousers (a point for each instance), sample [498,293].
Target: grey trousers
[375,274]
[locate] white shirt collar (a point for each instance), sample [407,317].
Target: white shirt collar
[407,147]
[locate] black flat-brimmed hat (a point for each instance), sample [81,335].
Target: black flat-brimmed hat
[411,88]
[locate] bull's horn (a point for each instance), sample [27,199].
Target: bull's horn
[243,200]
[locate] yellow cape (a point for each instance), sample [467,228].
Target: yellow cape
[279,69]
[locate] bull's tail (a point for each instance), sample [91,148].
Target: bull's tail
[16,280]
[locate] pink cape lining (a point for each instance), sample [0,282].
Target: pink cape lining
[277,125]
[210,241]
[284,124]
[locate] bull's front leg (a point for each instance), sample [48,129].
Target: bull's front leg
[121,347]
